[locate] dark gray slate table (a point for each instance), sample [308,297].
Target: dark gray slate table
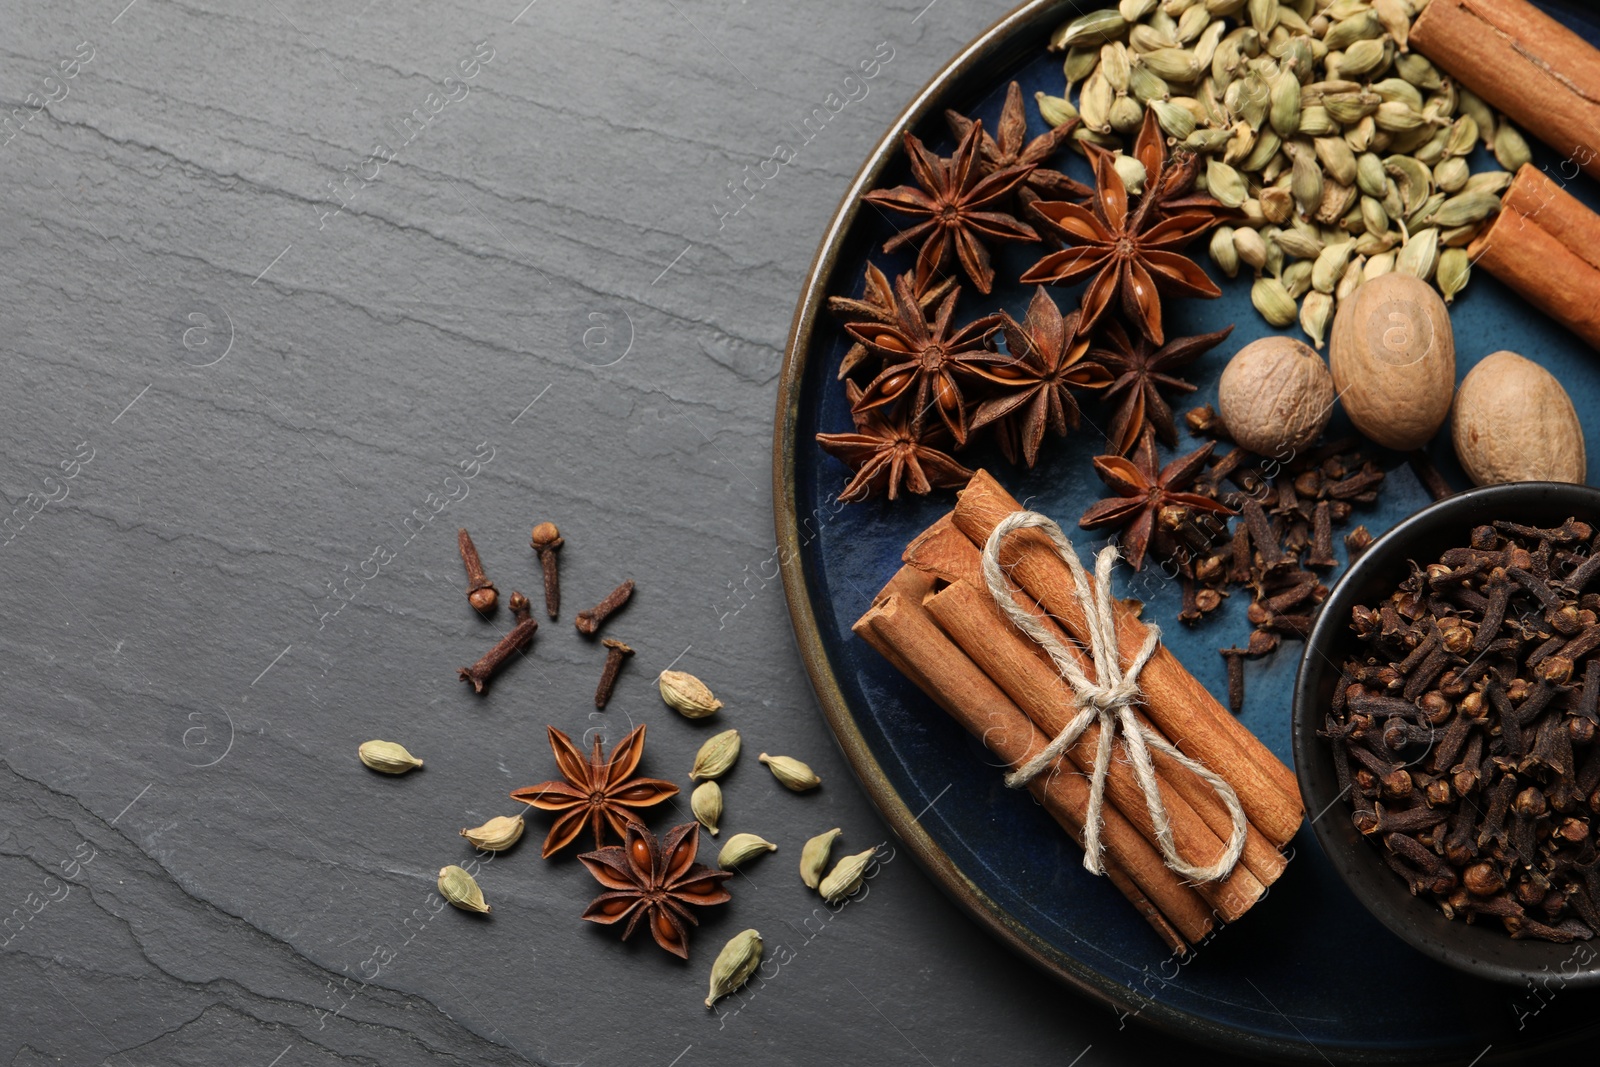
[292,290]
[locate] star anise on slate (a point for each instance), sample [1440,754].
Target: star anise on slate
[1130,252]
[887,455]
[1142,491]
[877,305]
[597,791]
[924,362]
[1048,363]
[1007,149]
[1142,369]
[958,207]
[656,882]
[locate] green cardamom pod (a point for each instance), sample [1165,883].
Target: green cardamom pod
[1305,180]
[1412,180]
[814,857]
[791,773]
[1085,135]
[1465,208]
[1370,177]
[1192,22]
[1145,84]
[1273,301]
[1420,255]
[1451,174]
[1114,65]
[734,965]
[1055,110]
[1208,141]
[1126,115]
[1463,137]
[1095,27]
[1330,265]
[715,756]
[741,848]
[1219,8]
[1205,49]
[1375,219]
[1223,252]
[1378,265]
[687,695]
[1424,214]
[1472,104]
[1460,236]
[1426,143]
[1263,15]
[1315,314]
[1455,270]
[1135,10]
[1301,244]
[496,835]
[1277,204]
[1148,37]
[1337,159]
[1489,181]
[846,876]
[1175,122]
[1348,108]
[1363,135]
[1376,244]
[388,757]
[1251,246]
[1094,103]
[1396,17]
[1267,146]
[1397,117]
[1510,147]
[1079,64]
[1285,110]
[1225,184]
[1131,171]
[1363,59]
[1418,71]
[706,804]
[1346,32]
[1352,279]
[461,889]
[1296,278]
[1175,64]
[1398,89]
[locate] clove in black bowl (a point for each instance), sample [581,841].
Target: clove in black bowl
[1483,948]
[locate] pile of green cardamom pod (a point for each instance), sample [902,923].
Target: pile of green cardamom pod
[1343,153]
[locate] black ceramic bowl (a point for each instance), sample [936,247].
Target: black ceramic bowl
[1483,949]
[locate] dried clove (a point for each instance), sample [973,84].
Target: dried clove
[588,622]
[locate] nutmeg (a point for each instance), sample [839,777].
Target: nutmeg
[1276,396]
[1393,358]
[1513,422]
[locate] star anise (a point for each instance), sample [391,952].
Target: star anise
[1170,179]
[887,455]
[597,791]
[1142,370]
[958,206]
[1142,491]
[1007,149]
[657,881]
[1131,252]
[877,305]
[1047,352]
[923,361]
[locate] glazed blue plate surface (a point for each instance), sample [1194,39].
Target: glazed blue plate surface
[1308,974]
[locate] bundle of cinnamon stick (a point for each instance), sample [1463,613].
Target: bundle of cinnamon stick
[938,623]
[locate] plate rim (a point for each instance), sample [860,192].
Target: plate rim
[1030,16]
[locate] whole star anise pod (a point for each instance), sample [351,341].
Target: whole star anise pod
[1142,369]
[1048,363]
[597,791]
[1130,252]
[887,455]
[1008,149]
[877,305]
[654,881]
[1142,491]
[959,208]
[924,362]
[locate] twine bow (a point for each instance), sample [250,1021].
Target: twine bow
[1108,698]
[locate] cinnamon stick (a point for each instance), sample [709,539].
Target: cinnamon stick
[901,630]
[1522,61]
[973,622]
[1177,703]
[1546,245]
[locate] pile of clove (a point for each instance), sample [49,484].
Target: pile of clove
[1281,545]
[1464,731]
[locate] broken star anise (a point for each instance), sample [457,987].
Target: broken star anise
[597,791]
[1142,491]
[887,455]
[1047,351]
[1170,179]
[877,305]
[923,361]
[655,882]
[959,207]
[1131,252]
[1142,369]
[1007,148]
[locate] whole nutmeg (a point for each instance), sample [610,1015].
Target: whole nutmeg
[1275,396]
[1513,422]
[1393,359]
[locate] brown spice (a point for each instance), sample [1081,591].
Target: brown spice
[654,881]
[546,540]
[616,653]
[597,792]
[589,621]
[481,593]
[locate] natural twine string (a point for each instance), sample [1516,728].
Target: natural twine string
[1108,698]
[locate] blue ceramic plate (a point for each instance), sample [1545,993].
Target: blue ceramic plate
[1298,978]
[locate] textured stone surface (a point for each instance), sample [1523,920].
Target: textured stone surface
[251,358]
